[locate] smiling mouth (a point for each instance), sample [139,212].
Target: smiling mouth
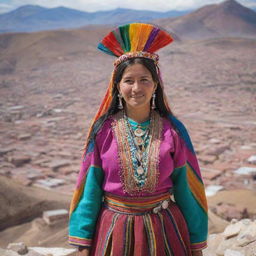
[137,96]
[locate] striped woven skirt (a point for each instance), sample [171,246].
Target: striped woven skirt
[140,226]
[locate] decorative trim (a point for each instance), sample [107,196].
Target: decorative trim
[125,158]
[198,246]
[139,54]
[80,241]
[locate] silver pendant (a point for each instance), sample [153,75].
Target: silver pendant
[140,170]
[139,155]
[139,132]
[139,141]
[165,204]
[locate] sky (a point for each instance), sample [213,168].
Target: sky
[102,5]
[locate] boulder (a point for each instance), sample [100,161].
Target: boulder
[20,248]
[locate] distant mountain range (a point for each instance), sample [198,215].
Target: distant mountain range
[228,18]
[31,18]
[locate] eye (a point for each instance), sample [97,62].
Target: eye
[145,80]
[128,81]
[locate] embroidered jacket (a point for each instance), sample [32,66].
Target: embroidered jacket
[107,167]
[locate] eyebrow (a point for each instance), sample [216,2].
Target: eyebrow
[130,77]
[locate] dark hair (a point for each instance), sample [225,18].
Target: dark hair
[113,109]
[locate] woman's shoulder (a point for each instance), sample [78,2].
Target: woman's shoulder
[168,124]
[106,126]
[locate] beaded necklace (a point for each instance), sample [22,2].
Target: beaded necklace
[139,140]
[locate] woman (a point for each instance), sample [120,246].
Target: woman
[136,157]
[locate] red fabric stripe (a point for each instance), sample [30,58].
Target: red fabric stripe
[112,44]
[161,40]
[180,240]
[141,247]
[150,230]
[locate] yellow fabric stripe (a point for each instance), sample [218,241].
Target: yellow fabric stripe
[83,239]
[139,204]
[139,34]
[151,234]
[197,188]
[79,191]
[134,33]
[75,199]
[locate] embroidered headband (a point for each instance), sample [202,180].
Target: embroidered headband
[135,40]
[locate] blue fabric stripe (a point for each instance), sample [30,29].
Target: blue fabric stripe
[102,48]
[182,131]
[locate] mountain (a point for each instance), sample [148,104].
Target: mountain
[228,18]
[30,18]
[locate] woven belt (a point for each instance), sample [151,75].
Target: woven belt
[137,205]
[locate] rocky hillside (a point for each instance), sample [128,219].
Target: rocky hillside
[228,18]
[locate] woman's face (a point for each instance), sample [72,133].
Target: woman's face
[137,87]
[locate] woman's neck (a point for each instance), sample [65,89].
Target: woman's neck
[138,115]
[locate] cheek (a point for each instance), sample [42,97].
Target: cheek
[125,90]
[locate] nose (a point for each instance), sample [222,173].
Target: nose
[136,86]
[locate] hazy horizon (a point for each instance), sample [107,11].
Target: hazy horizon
[93,5]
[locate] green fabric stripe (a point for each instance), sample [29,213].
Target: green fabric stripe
[84,217]
[118,37]
[193,213]
[124,31]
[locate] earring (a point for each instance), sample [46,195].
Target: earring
[153,106]
[120,103]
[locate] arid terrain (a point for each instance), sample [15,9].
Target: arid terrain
[51,84]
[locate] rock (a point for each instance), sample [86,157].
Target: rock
[207,159]
[229,252]
[54,251]
[215,141]
[4,151]
[239,238]
[24,136]
[8,253]
[35,175]
[232,230]
[252,159]
[41,251]
[20,248]
[54,216]
[34,253]
[228,211]
[210,173]
[54,165]
[49,183]
[245,170]
[17,107]
[247,235]
[19,160]
[218,150]
[212,189]
[250,249]
[246,147]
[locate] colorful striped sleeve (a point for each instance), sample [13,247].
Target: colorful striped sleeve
[87,201]
[188,188]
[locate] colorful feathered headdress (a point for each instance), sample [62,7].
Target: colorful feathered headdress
[125,42]
[135,40]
